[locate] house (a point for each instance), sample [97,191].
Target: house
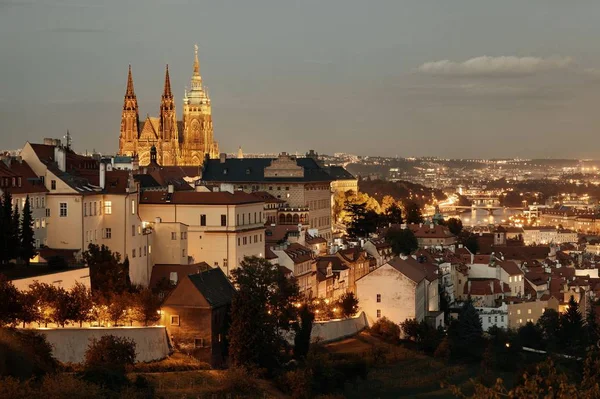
[332,277]
[196,312]
[358,264]
[432,235]
[221,228]
[379,249]
[299,260]
[400,289]
[493,317]
[485,292]
[88,204]
[522,311]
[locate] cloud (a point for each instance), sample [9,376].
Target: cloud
[495,66]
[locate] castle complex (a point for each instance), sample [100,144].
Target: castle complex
[185,142]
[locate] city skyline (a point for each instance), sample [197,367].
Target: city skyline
[427,80]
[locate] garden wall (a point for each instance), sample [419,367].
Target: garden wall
[70,344]
[332,330]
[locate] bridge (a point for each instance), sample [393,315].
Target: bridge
[489,208]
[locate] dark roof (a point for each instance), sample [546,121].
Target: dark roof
[253,170]
[339,173]
[214,286]
[267,197]
[146,181]
[413,273]
[510,267]
[198,198]
[299,253]
[164,271]
[336,263]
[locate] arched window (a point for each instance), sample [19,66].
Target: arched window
[296,219]
[282,219]
[288,218]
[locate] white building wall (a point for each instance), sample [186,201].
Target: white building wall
[398,295]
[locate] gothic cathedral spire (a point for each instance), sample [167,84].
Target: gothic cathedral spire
[168,123]
[129,119]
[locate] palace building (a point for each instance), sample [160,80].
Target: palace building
[183,143]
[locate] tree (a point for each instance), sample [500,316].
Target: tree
[470,242]
[110,352]
[10,310]
[26,237]
[549,324]
[386,329]
[466,334]
[571,328]
[362,221]
[119,303]
[455,226]
[303,332]
[410,328]
[349,304]
[261,311]
[393,214]
[80,304]
[413,213]
[591,325]
[530,335]
[8,231]
[403,241]
[61,306]
[147,306]
[107,273]
[44,294]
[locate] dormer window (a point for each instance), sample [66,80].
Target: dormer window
[225,171]
[248,170]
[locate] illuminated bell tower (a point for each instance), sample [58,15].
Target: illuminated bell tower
[130,120]
[198,137]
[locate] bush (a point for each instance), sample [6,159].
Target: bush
[110,352]
[386,329]
[25,354]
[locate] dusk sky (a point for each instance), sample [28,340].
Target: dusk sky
[449,78]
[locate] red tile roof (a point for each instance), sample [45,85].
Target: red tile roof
[510,267]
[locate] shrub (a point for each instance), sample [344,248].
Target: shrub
[386,329]
[25,354]
[110,352]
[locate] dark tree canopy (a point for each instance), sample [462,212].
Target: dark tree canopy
[413,213]
[349,304]
[393,214]
[403,241]
[362,221]
[261,312]
[455,226]
[466,334]
[107,273]
[26,238]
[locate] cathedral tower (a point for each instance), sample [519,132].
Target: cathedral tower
[198,137]
[130,120]
[168,135]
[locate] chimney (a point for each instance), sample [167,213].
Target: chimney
[60,157]
[171,189]
[469,286]
[222,157]
[102,175]
[157,220]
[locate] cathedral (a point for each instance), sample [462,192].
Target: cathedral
[182,143]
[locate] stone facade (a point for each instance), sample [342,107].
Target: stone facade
[185,142]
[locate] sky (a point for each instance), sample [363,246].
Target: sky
[446,78]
